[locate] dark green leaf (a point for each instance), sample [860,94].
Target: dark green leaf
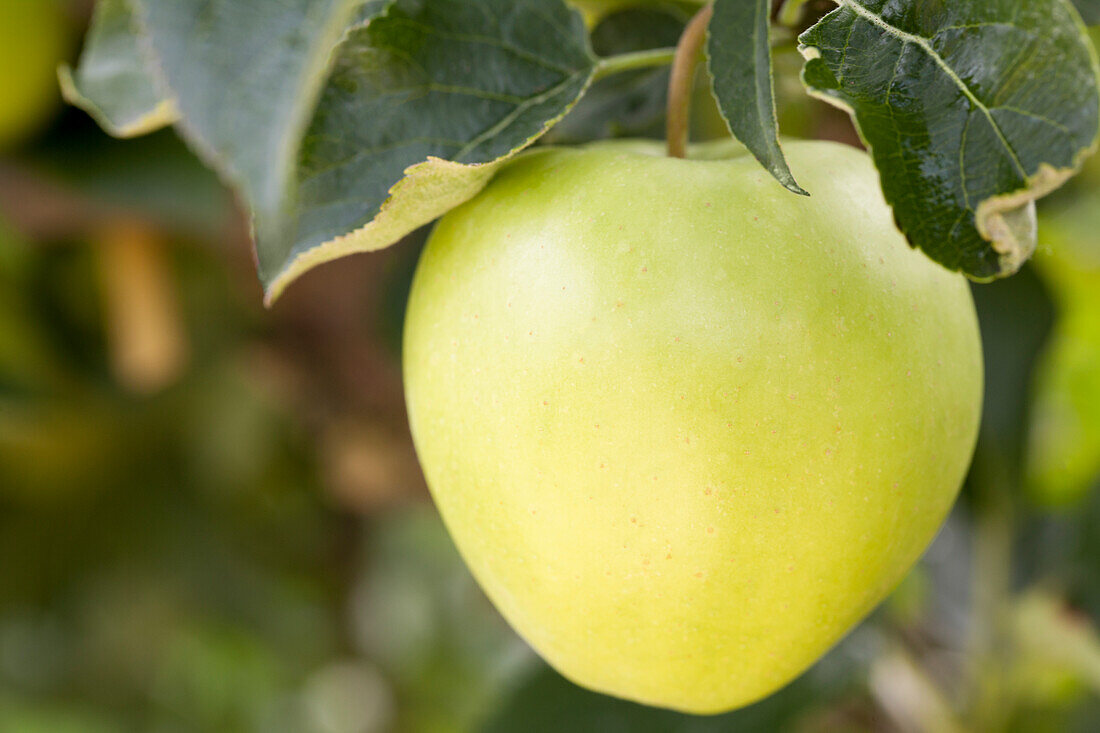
[174,190]
[1062,550]
[739,59]
[111,82]
[55,717]
[1082,571]
[346,139]
[973,109]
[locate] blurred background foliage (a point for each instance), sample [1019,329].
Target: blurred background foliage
[211,517]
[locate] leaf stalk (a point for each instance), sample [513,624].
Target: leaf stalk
[633,61]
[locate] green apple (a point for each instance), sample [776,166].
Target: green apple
[34,38]
[685,427]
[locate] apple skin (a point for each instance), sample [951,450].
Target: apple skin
[687,428]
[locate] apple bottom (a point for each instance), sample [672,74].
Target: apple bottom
[688,575]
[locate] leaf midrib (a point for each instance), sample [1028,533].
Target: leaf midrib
[924,44]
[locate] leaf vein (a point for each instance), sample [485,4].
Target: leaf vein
[924,44]
[1053,123]
[520,109]
[486,41]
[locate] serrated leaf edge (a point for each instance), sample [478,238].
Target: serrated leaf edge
[386,228]
[363,239]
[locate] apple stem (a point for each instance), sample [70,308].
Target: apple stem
[681,83]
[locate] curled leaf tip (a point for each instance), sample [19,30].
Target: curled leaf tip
[1009,222]
[1013,234]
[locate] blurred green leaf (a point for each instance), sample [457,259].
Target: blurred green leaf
[28,364]
[1081,570]
[1016,317]
[1050,632]
[218,678]
[1064,455]
[1063,553]
[19,717]
[1090,11]
[420,615]
[155,177]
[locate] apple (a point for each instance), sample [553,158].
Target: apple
[34,39]
[687,428]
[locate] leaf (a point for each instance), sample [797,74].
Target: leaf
[246,76]
[155,177]
[790,12]
[111,82]
[973,109]
[1064,446]
[1063,552]
[739,60]
[422,618]
[1047,629]
[344,139]
[21,713]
